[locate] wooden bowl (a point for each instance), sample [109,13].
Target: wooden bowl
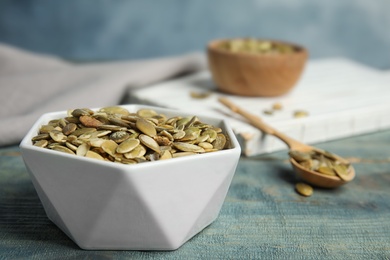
[255,74]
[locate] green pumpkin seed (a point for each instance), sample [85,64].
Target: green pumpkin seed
[57,136]
[146,127]
[149,142]
[182,154]
[304,189]
[83,149]
[341,171]
[219,142]
[94,155]
[45,129]
[63,149]
[138,152]
[69,128]
[41,143]
[41,137]
[186,147]
[145,113]
[81,112]
[127,145]
[109,146]
[114,110]
[165,155]
[119,136]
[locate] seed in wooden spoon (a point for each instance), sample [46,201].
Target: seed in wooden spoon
[304,189]
[300,156]
[322,162]
[341,171]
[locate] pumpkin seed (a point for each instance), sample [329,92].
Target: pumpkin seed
[63,149]
[82,149]
[146,127]
[211,133]
[45,129]
[71,146]
[94,155]
[182,154]
[40,137]
[69,128]
[119,136]
[326,170]
[89,121]
[300,113]
[96,142]
[162,140]
[165,155]
[277,106]
[41,143]
[200,95]
[109,146]
[149,142]
[81,131]
[300,156]
[219,142]
[145,113]
[57,136]
[205,145]
[119,122]
[304,189]
[112,128]
[127,145]
[341,170]
[191,133]
[187,147]
[81,112]
[114,110]
[179,134]
[138,152]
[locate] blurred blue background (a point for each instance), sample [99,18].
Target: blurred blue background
[136,29]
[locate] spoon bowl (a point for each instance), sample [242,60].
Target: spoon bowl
[309,176]
[321,180]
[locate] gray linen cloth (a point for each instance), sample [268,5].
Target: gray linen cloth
[33,84]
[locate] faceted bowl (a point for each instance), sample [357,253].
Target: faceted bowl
[155,205]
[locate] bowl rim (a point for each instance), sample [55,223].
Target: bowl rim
[300,50]
[26,143]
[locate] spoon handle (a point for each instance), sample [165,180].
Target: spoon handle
[258,123]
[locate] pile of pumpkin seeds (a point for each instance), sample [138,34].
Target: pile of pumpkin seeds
[322,162]
[114,134]
[250,45]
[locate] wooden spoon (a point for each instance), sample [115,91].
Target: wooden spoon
[312,177]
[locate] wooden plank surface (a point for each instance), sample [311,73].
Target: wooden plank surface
[342,98]
[262,217]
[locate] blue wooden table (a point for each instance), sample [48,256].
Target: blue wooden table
[262,217]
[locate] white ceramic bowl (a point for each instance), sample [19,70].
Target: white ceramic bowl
[155,205]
